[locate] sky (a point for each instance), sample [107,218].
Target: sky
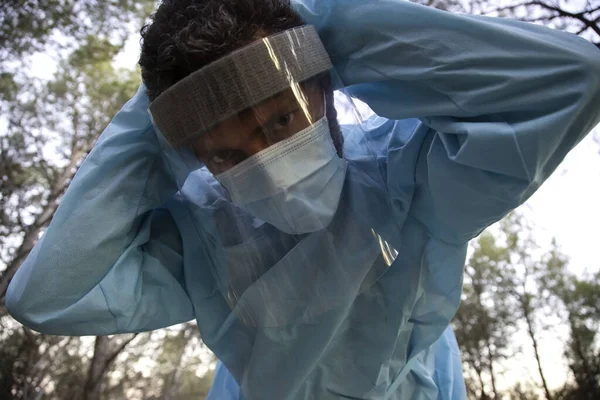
[566,207]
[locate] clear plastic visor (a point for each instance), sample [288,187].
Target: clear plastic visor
[242,136]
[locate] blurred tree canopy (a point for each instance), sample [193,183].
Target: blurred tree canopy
[47,127]
[27,26]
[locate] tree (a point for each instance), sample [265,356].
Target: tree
[177,364]
[175,361]
[579,300]
[525,272]
[28,26]
[522,392]
[31,363]
[510,283]
[106,350]
[485,322]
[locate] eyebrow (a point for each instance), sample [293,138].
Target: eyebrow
[280,101]
[207,150]
[277,114]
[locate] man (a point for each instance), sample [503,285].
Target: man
[319,261]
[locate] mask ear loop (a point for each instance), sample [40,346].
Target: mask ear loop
[324,104]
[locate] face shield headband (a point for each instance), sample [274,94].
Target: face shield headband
[239,81]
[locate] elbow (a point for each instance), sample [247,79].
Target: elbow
[33,312]
[590,110]
[25,300]
[83,316]
[49,321]
[590,70]
[13,306]
[580,93]
[18,308]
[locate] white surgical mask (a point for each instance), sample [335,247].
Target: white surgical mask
[294,185]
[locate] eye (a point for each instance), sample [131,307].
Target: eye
[284,120]
[222,157]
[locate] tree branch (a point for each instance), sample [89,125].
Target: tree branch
[592,11]
[119,350]
[99,364]
[547,18]
[579,32]
[578,16]
[510,8]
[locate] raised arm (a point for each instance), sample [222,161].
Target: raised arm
[502,101]
[111,259]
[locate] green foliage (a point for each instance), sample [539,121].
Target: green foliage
[177,364]
[29,360]
[523,392]
[8,87]
[26,26]
[192,387]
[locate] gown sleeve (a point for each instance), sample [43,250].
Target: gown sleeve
[111,259]
[501,102]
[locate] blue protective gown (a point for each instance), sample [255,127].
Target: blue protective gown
[474,114]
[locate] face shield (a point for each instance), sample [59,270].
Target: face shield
[254,143]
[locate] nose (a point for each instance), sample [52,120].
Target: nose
[256,145]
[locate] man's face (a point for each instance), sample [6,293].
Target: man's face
[256,128]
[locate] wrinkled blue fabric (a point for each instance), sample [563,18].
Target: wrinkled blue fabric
[474,114]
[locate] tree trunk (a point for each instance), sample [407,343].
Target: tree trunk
[492,377]
[91,389]
[484,395]
[530,330]
[168,391]
[99,365]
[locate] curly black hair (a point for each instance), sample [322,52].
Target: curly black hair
[185,35]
